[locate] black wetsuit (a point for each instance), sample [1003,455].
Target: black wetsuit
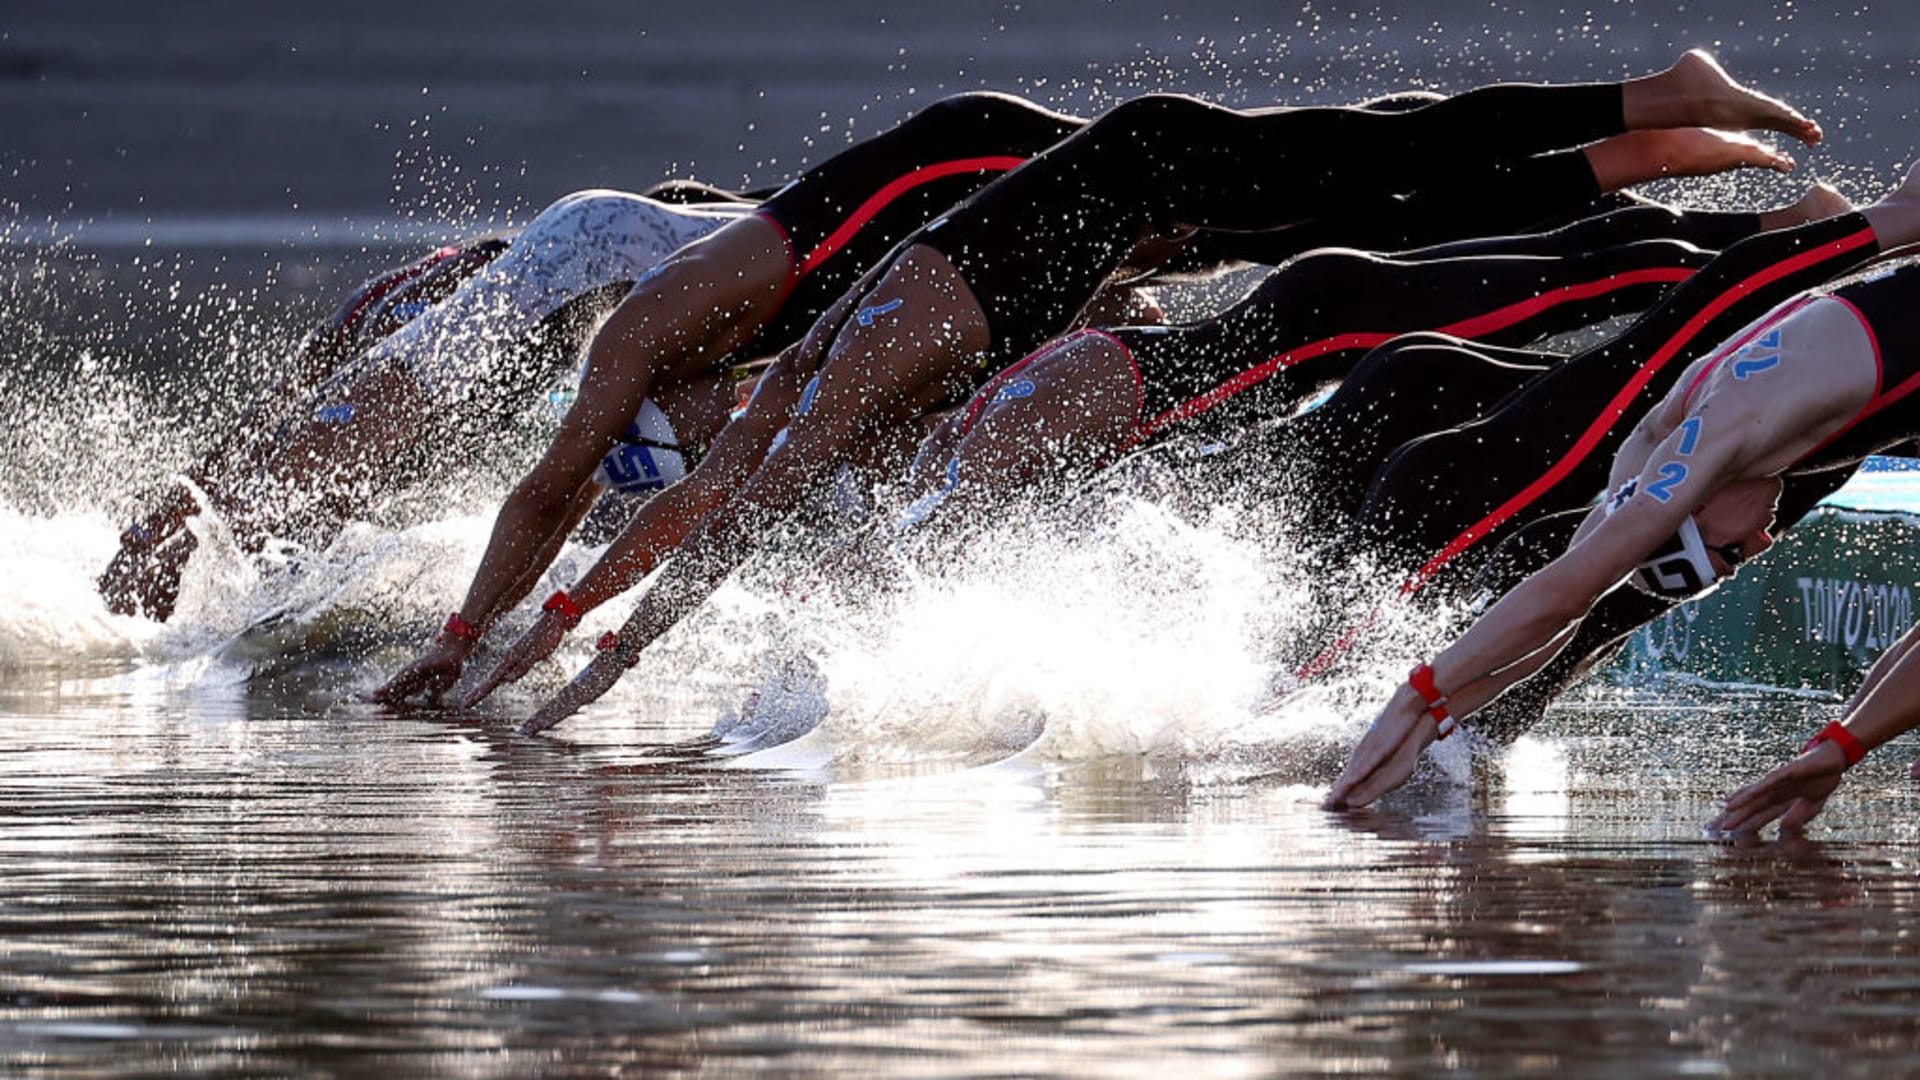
[1035,246]
[1306,327]
[1440,499]
[845,214]
[1307,324]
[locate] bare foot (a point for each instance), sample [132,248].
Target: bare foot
[1697,92]
[1896,217]
[1639,156]
[1822,201]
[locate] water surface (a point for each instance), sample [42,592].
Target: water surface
[234,884]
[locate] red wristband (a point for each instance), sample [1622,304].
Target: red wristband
[1837,734]
[461,628]
[610,641]
[1421,679]
[570,612]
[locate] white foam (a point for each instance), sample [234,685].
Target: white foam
[1143,639]
[52,616]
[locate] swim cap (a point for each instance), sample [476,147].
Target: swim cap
[648,458]
[1679,567]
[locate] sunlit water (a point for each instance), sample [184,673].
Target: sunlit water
[1016,817]
[219,883]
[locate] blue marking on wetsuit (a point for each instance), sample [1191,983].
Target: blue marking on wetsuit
[1023,388]
[1692,437]
[867,315]
[953,475]
[807,396]
[408,311]
[1761,362]
[1672,475]
[336,414]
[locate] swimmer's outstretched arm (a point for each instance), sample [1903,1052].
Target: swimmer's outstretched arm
[844,403]
[134,582]
[666,521]
[722,540]
[1886,706]
[1749,437]
[704,304]
[1528,625]
[660,525]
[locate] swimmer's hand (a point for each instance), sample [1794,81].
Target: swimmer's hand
[144,579]
[1794,793]
[534,645]
[1387,755]
[594,680]
[428,677]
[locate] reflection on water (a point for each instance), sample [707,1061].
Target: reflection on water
[246,885]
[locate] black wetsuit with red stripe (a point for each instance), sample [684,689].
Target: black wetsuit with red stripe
[1035,246]
[1305,326]
[1440,500]
[848,212]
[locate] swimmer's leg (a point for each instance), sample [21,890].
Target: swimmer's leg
[1215,167]
[1530,195]
[1412,386]
[1710,230]
[1070,215]
[1305,326]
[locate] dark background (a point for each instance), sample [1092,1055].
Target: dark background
[132,116]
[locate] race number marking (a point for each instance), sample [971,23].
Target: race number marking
[1747,368]
[1691,436]
[1672,475]
[1020,389]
